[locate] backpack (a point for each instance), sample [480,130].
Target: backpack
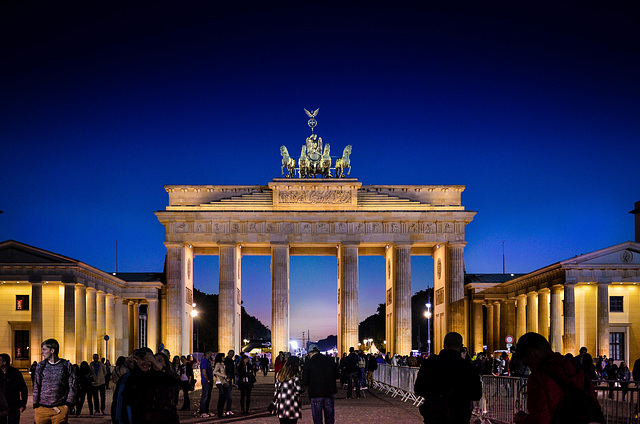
[576,406]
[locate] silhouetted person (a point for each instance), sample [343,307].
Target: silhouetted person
[448,384]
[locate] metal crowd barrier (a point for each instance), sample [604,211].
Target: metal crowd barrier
[397,381]
[502,397]
[619,404]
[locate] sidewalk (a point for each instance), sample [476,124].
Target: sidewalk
[376,407]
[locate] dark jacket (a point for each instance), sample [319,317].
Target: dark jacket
[447,379]
[319,375]
[230,369]
[14,388]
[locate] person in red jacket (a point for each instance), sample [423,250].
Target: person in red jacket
[548,371]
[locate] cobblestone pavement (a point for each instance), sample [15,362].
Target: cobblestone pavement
[373,407]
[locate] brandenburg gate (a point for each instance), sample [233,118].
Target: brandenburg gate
[330,216]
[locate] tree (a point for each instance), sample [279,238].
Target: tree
[374,326]
[207,323]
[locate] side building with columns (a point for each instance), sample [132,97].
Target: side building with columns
[47,295]
[590,300]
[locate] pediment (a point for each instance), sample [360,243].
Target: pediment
[13,252]
[622,254]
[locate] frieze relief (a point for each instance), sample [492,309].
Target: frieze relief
[314,197]
[319,227]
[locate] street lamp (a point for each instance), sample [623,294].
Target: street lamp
[427,315]
[194,315]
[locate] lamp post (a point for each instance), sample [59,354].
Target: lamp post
[427,315]
[194,315]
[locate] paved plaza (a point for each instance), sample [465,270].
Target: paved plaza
[376,407]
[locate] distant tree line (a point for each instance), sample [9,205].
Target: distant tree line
[207,323]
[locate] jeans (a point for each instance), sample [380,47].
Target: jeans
[99,405]
[318,405]
[228,407]
[223,394]
[245,398]
[205,398]
[354,380]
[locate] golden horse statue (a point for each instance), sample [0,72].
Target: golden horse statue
[343,162]
[287,162]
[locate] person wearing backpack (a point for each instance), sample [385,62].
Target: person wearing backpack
[54,386]
[558,391]
[448,383]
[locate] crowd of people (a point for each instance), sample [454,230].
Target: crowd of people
[147,386]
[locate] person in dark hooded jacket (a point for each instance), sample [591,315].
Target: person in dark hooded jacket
[548,369]
[448,383]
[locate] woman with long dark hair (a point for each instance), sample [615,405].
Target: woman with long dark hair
[85,387]
[247,378]
[222,382]
[288,389]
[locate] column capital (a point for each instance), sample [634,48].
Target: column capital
[521,296]
[557,288]
[460,244]
[89,288]
[174,245]
[35,279]
[571,284]
[151,300]
[544,290]
[109,295]
[604,281]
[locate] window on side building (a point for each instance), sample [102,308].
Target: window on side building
[615,304]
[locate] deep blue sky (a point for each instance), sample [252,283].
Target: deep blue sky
[534,108]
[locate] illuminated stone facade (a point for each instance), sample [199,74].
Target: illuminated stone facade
[331,217]
[46,295]
[591,300]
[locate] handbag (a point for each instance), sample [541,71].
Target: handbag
[272,408]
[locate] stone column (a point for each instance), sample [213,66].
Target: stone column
[92,338]
[603,317]
[152,324]
[569,338]
[521,318]
[402,299]
[497,317]
[101,325]
[81,323]
[555,324]
[120,344]
[347,297]
[543,313]
[175,297]
[532,312]
[455,289]
[69,350]
[229,299]
[36,320]
[279,298]
[136,325]
[110,313]
[510,318]
[490,328]
[478,326]
[132,330]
